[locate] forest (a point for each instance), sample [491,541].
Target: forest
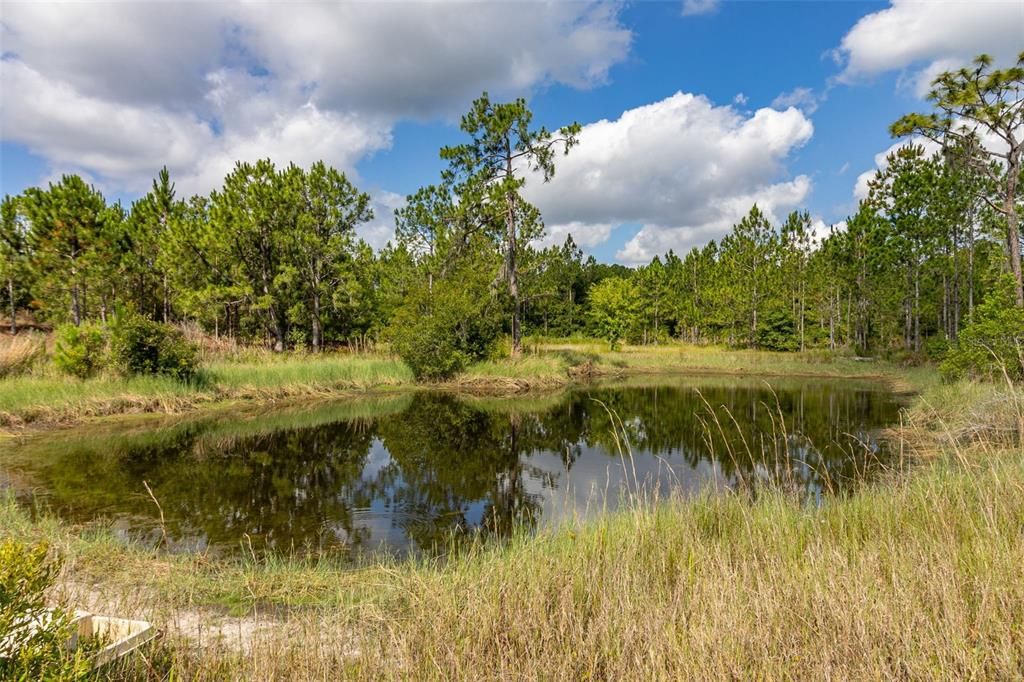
[273,257]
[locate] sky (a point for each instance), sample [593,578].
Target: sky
[692,110]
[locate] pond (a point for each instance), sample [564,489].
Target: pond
[417,471]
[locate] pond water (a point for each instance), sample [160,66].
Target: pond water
[413,471]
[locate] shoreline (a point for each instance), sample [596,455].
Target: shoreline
[492,379]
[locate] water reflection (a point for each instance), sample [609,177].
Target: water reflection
[411,472]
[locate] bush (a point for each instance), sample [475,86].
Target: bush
[142,346]
[79,349]
[777,331]
[936,348]
[438,333]
[614,309]
[33,653]
[430,350]
[994,342]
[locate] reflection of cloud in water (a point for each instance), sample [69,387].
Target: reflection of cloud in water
[598,481]
[376,459]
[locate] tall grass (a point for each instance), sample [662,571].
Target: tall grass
[28,398]
[915,577]
[50,397]
[323,372]
[19,354]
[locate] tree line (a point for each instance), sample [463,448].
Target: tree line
[273,255]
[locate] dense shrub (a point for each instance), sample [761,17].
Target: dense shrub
[776,330]
[79,349]
[142,346]
[437,333]
[994,342]
[33,653]
[614,309]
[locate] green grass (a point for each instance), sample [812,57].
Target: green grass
[44,397]
[917,576]
[51,398]
[312,371]
[24,395]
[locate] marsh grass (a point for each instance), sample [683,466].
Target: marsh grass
[915,576]
[53,398]
[233,372]
[315,372]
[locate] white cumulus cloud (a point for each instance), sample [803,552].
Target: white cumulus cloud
[926,38]
[118,89]
[696,7]
[803,99]
[379,231]
[682,168]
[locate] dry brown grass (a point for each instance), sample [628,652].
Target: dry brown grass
[20,353]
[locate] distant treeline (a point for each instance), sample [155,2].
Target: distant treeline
[272,256]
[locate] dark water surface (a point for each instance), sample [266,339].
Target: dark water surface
[409,472]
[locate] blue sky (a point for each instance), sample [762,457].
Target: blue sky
[784,103]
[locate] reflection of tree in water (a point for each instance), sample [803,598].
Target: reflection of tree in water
[292,488]
[455,462]
[284,489]
[812,435]
[446,468]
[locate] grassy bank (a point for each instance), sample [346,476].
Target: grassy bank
[50,398]
[45,398]
[915,577]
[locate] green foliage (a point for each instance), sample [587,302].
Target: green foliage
[141,346]
[36,636]
[968,104]
[273,255]
[994,342]
[79,350]
[488,174]
[75,245]
[776,330]
[442,330]
[614,309]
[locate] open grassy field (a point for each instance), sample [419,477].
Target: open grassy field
[43,397]
[915,577]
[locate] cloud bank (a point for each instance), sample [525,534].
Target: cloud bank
[115,90]
[682,168]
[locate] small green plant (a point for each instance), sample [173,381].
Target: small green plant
[142,346]
[994,343]
[33,638]
[79,349]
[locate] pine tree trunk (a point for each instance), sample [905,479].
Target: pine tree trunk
[970,271]
[955,323]
[76,310]
[315,319]
[917,310]
[1013,229]
[510,261]
[14,316]
[167,302]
